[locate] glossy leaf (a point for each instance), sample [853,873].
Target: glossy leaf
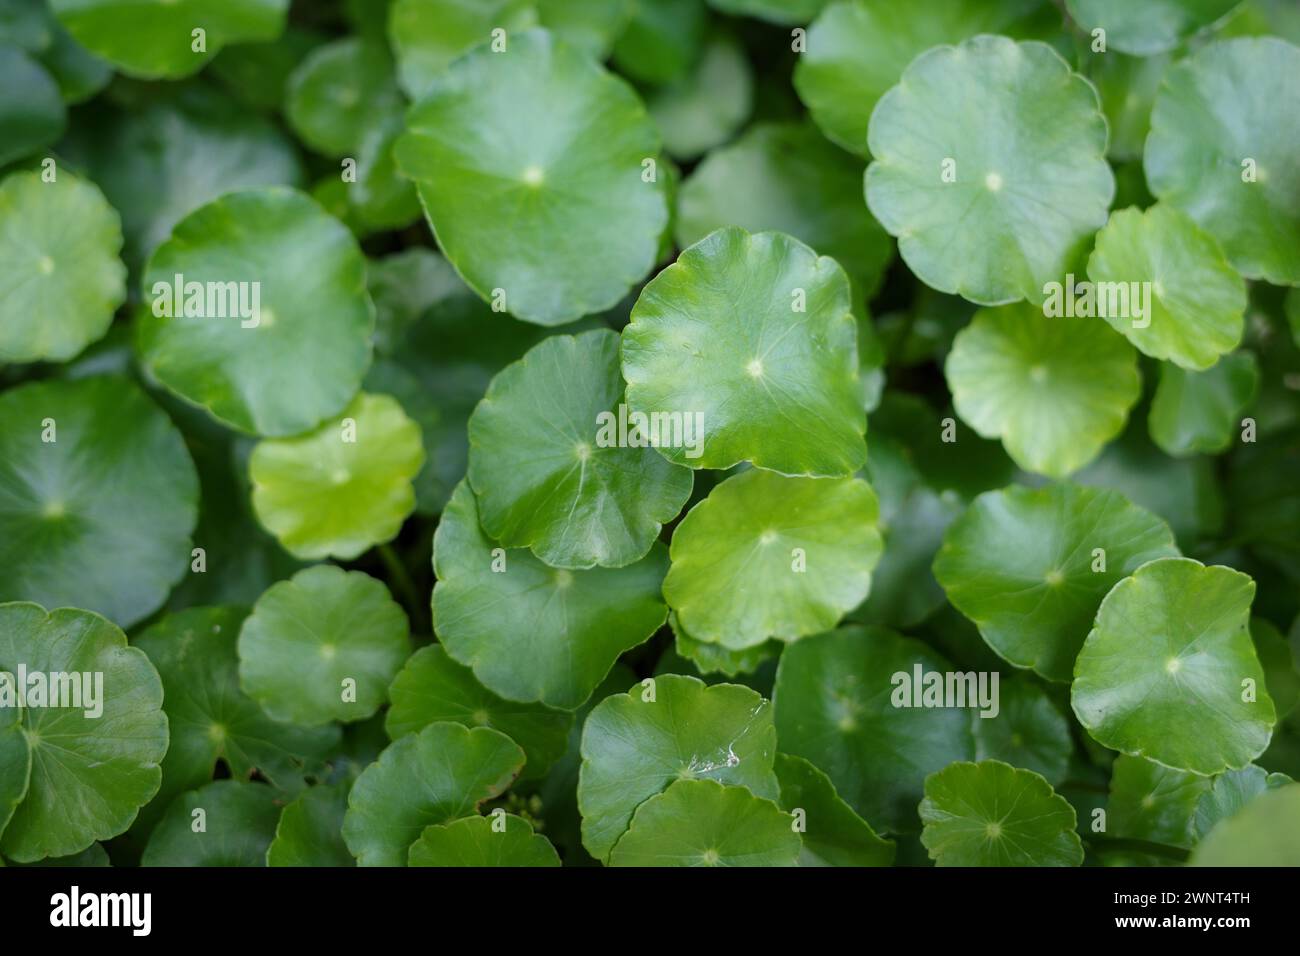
[435,776]
[666,729]
[769,556]
[1200,412]
[476,841]
[1153,26]
[337,94]
[238,823]
[1264,833]
[427,35]
[991,814]
[322,646]
[1230,792]
[1170,648]
[752,339]
[551,476]
[1054,390]
[1153,803]
[342,487]
[310,830]
[1031,566]
[1028,731]
[833,835]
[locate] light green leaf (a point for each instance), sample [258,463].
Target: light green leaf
[991,814]
[704,823]
[100,514]
[592,25]
[310,830]
[551,476]
[769,556]
[752,340]
[59,287]
[1027,731]
[153,39]
[432,687]
[295,360]
[211,719]
[787,177]
[322,646]
[716,659]
[1199,412]
[1222,148]
[1192,303]
[1031,566]
[531,632]
[833,835]
[343,487]
[476,841]
[665,729]
[32,115]
[1171,649]
[1128,86]
[707,107]
[833,708]
[339,92]
[435,776]
[858,49]
[531,165]
[1152,26]
[92,766]
[662,40]
[1054,390]
[1264,833]
[940,169]
[239,821]
[427,35]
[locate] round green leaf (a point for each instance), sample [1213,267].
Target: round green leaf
[662,40]
[210,719]
[532,167]
[95,763]
[531,632]
[435,776]
[59,287]
[716,659]
[427,35]
[833,835]
[258,73]
[991,814]
[162,161]
[752,339]
[1171,650]
[1152,26]
[1228,794]
[432,687]
[343,487]
[991,205]
[1027,731]
[322,646]
[592,25]
[295,359]
[856,50]
[1127,86]
[1193,302]
[155,39]
[665,729]
[1054,390]
[238,824]
[551,476]
[15,763]
[1279,663]
[310,831]
[1153,803]
[337,93]
[32,115]
[705,109]
[382,198]
[703,823]
[769,556]
[833,708]
[1265,833]
[98,497]
[1222,148]
[478,841]
[1199,412]
[1031,566]
[787,177]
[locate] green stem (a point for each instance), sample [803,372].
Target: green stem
[401,580]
